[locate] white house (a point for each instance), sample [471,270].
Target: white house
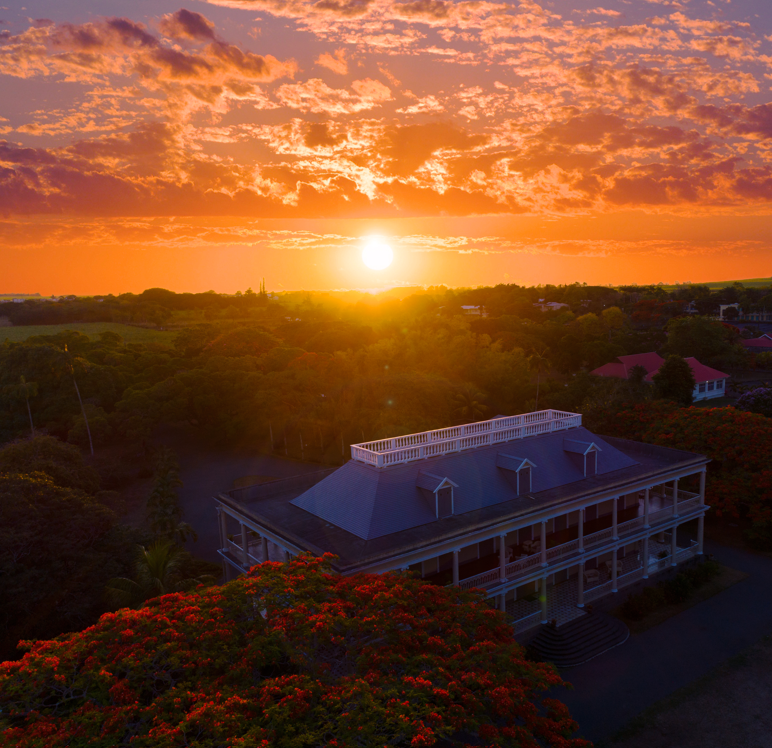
[536,511]
[709,383]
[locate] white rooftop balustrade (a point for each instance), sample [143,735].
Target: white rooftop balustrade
[413,447]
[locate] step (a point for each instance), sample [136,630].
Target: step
[579,640]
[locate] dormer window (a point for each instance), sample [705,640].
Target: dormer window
[520,470]
[439,493]
[524,480]
[587,451]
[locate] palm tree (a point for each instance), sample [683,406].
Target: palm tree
[158,570]
[24,390]
[70,366]
[539,363]
[468,404]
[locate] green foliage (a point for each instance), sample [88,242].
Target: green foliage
[669,592]
[61,462]
[47,535]
[709,341]
[675,380]
[164,513]
[159,569]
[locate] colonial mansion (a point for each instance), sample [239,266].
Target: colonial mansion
[534,509]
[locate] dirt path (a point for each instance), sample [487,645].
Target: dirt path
[727,708]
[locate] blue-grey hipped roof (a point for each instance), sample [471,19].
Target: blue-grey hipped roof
[371,502]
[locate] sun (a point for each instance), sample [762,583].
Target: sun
[377,255]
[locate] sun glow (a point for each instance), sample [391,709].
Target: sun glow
[377,255]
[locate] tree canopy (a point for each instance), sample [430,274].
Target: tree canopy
[291,655]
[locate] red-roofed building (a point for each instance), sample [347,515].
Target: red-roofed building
[709,383]
[758,345]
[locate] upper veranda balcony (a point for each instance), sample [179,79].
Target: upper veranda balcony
[426,444]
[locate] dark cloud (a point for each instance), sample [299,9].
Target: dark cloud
[187,24]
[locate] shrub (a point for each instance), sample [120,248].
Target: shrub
[677,589]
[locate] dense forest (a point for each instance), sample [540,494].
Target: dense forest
[303,376]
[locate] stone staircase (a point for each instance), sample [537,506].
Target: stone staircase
[579,640]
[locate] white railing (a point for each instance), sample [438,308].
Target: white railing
[527,622]
[513,568]
[598,591]
[625,580]
[492,576]
[598,537]
[565,549]
[457,438]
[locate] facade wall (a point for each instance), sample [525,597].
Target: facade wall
[709,390]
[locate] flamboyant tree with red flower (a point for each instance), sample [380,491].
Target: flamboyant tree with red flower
[738,443]
[291,655]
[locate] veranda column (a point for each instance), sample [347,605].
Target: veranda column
[544,599]
[503,558]
[614,518]
[244,546]
[614,570]
[264,543]
[673,546]
[675,497]
[581,530]
[646,557]
[646,504]
[455,567]
[580,593]
[503,602]
[287,556]
[700,533]
[544,543]
[702,486]
[223,530]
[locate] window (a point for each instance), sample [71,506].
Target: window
[590,464]
[720,384]
[702,387]
[524,480]
[711,385]
[445,502]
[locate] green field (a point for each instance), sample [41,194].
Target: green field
[129,333]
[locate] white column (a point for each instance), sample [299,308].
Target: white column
[580,594]
[544,599]
[544,543]
[455,567]
[581,530]
[703,474]
[673,547]
[646,557]
[244,546]
[614,570]
[675,497]
[646,504]
[503,602]
[223,530]
[700,533]
[614,512]
[502,558]
[264,543]
[287,556]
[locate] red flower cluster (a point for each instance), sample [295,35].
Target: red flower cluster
[290,656]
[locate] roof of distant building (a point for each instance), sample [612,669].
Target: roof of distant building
[764,341]
[623,366]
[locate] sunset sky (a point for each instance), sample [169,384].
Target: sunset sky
[206,146]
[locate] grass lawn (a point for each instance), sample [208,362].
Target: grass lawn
[727,708]
[725,579]
[129,333]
